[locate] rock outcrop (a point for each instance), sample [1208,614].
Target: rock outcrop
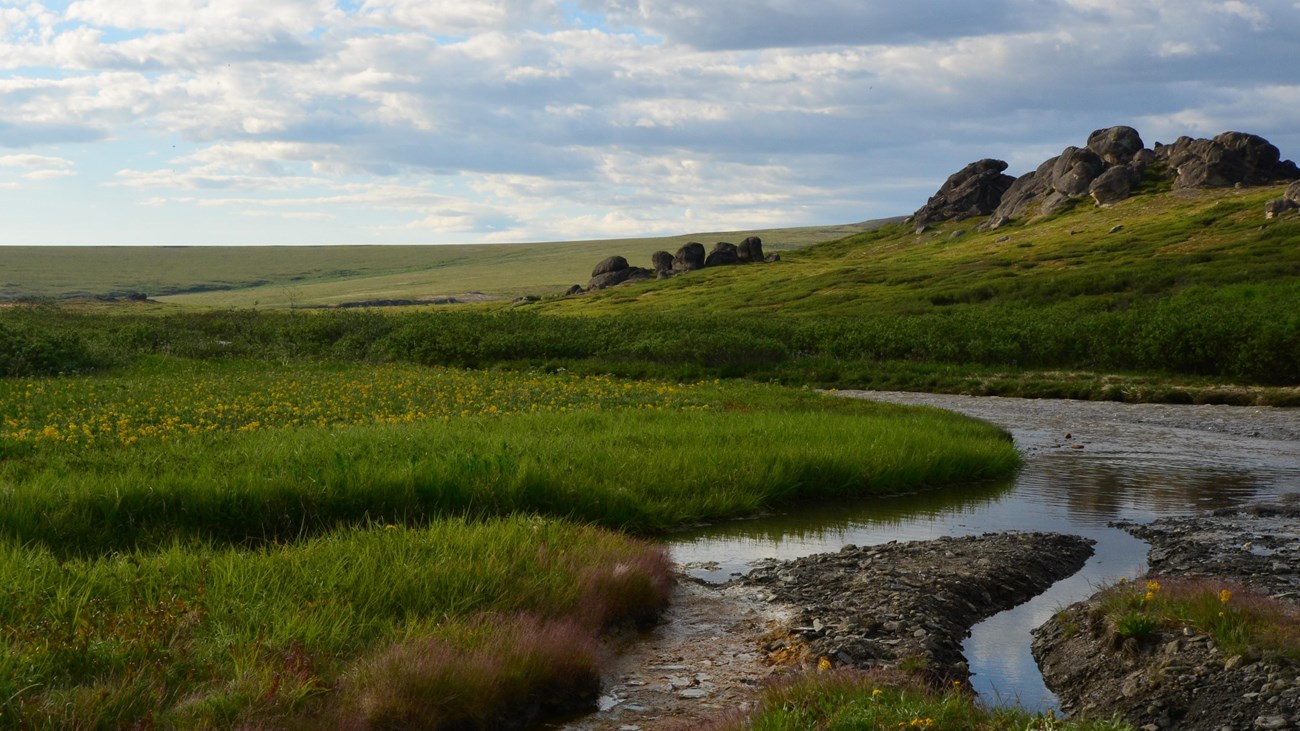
[1108,169]
[975,190]
[615,270]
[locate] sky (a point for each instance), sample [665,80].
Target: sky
[243,122]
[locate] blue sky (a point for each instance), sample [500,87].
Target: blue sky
[428,121]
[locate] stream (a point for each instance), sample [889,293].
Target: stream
[1085,464]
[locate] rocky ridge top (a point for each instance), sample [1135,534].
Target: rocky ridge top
[1108,168]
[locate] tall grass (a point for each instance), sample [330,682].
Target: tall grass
[637,469]
[205,636]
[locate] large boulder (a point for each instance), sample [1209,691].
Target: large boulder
[609,266]
[1116,145]
[723,254]
[662,262]
[1114,185]
[1259,157]
[750,250]
[689,258]
[975,190]
[1074,170]
[619,276]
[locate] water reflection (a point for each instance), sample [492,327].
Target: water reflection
[1110,466]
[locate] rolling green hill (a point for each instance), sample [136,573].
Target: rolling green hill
[284,276]
[1185,295]
[1142,249]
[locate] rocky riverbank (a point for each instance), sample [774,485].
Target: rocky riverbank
[903,605]
[1179,678]
[909,605]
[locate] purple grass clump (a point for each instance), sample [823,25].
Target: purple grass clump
[521,669]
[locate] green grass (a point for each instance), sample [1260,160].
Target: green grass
[244,544]
[604,457]
[200,636]
[293,276]
[1194,299]
[844,701]
[1241,621]
[1167,242]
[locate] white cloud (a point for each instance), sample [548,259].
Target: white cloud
[39,167]
[507,116]
[1246,11]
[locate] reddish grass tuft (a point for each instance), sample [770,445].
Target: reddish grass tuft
[634,590]
[1265,625]
[520,669]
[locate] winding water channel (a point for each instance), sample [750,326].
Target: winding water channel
[1086,464]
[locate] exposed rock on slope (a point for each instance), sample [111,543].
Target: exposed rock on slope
[972,191]
[1108,169]
[615,270]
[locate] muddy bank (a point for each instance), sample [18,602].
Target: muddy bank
[909,605]
[1180,678]
[705,658]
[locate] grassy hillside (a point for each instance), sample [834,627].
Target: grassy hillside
[1174,296]
[1166,244]
[283,276]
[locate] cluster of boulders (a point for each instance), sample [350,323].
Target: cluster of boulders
[616,270]
[1107,169]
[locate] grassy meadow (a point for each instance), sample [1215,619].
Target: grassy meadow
[231,543]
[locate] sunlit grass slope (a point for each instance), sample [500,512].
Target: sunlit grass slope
[284,276]
[1165,244]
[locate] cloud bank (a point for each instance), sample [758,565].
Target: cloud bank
[314,121]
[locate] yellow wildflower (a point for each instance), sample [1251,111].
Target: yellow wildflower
[1224,596]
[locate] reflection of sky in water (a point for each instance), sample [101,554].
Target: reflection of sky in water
[1124,470]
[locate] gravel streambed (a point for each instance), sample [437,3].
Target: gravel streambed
[910,604]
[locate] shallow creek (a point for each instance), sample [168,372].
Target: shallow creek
[1086,464]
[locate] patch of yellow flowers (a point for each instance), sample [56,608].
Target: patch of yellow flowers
[126,409]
